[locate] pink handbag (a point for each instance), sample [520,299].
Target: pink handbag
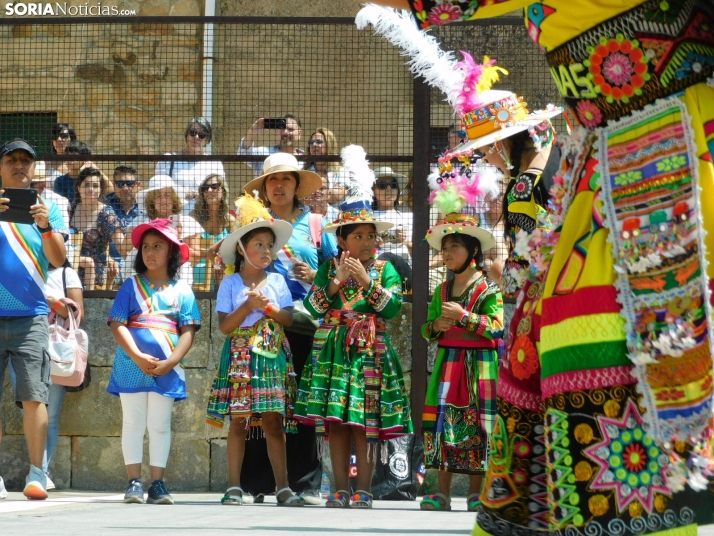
[68,347]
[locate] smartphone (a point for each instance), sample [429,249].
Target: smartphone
[21,199]
[274,123]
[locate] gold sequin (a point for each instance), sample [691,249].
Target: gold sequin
[511,425]
[598,505]
[612,408]
[635,508]
[660,503]
[583,471]
[583,434]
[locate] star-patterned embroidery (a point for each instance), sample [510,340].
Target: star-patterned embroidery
[629,461]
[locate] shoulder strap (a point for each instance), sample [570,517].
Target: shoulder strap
[171,169]
[64,281]
[315,222]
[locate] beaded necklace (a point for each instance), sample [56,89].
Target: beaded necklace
[292,221]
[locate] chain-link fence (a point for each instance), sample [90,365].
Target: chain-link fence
[121,95]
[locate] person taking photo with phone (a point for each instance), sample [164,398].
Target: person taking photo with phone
[26,251]
[288,131]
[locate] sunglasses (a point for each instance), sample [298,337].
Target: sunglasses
[200,133]
[63,135]
[214,186]
[384,184]
[316,142]
[121,184]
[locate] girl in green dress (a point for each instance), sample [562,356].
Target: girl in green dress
[353,387]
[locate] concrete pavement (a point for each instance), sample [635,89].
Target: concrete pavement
[88,513]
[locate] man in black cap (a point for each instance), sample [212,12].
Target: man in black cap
[26,250]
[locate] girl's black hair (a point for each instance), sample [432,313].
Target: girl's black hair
[245,239]
[346,230]
[65,264]
[174,256]
[472,245]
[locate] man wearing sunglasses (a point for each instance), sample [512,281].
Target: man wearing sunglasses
[287,134]
[123,201]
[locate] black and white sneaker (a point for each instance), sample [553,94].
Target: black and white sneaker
[158,493]
[135,492]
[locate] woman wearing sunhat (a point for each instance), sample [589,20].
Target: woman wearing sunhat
[466,321]
[161,199]
[255,381]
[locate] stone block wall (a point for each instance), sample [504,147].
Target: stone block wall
[89,455]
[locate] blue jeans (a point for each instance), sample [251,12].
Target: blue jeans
[54,406]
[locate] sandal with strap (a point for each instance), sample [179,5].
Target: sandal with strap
[339,499]
[473,501]
[361,499]
[436,501]
[293,500]
[235,499]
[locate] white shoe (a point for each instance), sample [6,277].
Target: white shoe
[50,485]
[3,491]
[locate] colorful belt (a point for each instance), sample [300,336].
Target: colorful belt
[160,322]
[649,52]
[337,317]
[457,337]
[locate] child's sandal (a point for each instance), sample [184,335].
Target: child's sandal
[436,501]
[361,499]
[235,499]
[473,501]
[339,499]
[293,500]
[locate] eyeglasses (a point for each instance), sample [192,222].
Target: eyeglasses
[121,184]
[316,142]
[200,133]
[63,135]
[383,185]
[214,186]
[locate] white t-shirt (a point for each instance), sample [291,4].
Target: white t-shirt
[189,176]
[53,286]
[231,295]
[188,227]
[61,202]
[399,219]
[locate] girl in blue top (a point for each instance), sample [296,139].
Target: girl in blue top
[154,319]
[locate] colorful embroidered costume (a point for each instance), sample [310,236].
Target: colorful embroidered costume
[255,374]
[461,398]
[355,376]
[154,317]
[625,345]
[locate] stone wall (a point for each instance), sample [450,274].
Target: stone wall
[89,455]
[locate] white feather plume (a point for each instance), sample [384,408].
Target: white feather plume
[356,168]
[427,59]
[432,180]
[489,179]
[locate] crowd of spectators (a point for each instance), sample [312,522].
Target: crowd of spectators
[195,194]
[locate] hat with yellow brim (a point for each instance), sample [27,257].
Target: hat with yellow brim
[310,181]
[456,223]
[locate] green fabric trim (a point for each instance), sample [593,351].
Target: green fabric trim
[583,357]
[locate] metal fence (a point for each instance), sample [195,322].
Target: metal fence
[129,88]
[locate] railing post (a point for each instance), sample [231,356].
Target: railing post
[420,257]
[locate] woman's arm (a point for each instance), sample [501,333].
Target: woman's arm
[194,245]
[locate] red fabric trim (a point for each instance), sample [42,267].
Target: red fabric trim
[458,337]
[584,301]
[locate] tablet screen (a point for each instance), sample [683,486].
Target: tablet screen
[21,199]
